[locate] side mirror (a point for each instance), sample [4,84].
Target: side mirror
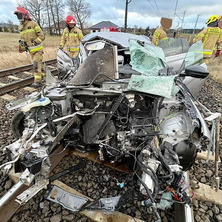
[196,72]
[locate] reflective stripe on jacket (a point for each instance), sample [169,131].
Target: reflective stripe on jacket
[74,48]
[210,37]
[71,38]
[30,33]
[159,34]
[35,48]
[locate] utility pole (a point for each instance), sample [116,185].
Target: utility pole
[195,24]
[183,20]
[175,10]
[126,12]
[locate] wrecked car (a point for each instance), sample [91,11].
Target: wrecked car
[127,101]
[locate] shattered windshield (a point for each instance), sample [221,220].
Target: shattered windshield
[194,55]
[155,85]
[150,82]
[146,58]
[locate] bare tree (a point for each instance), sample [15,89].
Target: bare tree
[81,11]
[48,16]
[59,10]
[35,9]
[55,13]
[51,5]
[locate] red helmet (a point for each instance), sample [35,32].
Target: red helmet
[70,20]
[22,13]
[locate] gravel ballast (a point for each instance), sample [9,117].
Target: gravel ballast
[97,181]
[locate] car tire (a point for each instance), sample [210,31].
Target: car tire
[17,125]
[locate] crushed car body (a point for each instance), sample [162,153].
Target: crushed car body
[125,100]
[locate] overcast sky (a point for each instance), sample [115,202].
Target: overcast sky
[142,13]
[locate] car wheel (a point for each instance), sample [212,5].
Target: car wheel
[18,124]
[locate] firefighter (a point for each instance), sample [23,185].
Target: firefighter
[160,33]
[71,37]
[211,36]
[31,37]
[220,26]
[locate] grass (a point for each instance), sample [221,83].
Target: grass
[10,57]
[215,69]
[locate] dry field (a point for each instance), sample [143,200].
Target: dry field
[10,57]
[215,69]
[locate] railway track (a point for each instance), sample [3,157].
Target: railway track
[15,70]
[182,214]
[17,81]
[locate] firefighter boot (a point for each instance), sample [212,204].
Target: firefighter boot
[37,80]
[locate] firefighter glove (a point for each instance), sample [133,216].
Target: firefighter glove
[23,46]
[60,47]
[217,53]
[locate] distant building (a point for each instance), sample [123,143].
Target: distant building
[54,29]
[104,26]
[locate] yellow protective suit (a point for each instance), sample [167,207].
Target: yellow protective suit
[71,39]
[210,37]
[159,34]
[33,35]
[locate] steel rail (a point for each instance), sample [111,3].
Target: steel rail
[19,84]
[6,72]
[184,213]
[10,208]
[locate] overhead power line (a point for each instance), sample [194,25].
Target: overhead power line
[184,12]
[154,8]
[188,5]
[175,10]
[183,19]
[195,24]
[157,8]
